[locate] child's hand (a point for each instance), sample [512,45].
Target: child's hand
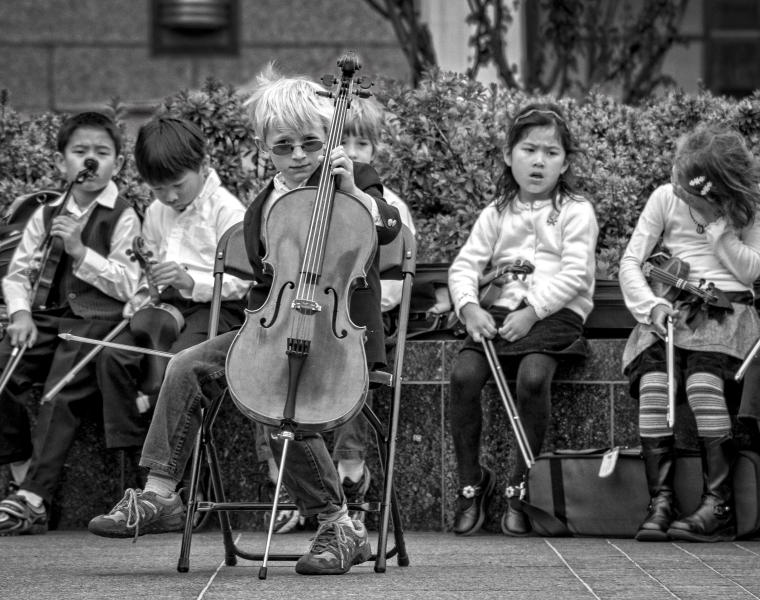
[517,324]
[135,303]
[442,301]
[659,316]
[343,169]
[709,209]
[479,322]
[70,231]
[172,274]
[22,330]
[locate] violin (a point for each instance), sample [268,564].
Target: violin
[670,279]
[156,325]
[299,360]
[490,284]
[52,247]
[489,288]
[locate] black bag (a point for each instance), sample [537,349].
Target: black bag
[747,493]
[566,496]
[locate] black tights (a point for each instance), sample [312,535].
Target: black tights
[532,399]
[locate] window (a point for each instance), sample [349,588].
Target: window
[195,27]
[732,61]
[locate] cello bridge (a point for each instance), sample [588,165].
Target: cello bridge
[306,307]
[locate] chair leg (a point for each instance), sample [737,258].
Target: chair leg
[389,506]
[183,564]
[230,550]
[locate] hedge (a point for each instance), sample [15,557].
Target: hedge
[441,153]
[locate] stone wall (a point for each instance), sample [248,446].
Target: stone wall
[63,55]
[591,409]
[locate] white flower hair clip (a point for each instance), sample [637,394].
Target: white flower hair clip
[701,180]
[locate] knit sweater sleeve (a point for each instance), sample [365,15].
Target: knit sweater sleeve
[638,296]
[739,252]
[577,268]
[473,257]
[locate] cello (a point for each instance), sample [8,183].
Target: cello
[299,360]
[321,241]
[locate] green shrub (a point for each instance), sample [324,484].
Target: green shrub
[442,153]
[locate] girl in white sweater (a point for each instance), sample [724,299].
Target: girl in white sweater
[537,217]
[706,217]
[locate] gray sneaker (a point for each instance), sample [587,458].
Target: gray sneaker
[335,549]
[19,517]
[138,513]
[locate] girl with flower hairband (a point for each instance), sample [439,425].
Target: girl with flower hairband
[707,217]
[536,321]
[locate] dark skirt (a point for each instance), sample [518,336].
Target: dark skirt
[559,335]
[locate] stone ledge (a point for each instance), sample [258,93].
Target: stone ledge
[587,413]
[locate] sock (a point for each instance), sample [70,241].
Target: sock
[273,470]
[653,405]
[705,394]
[161,485]
[32,498]
[340,516]
[19,470]
[351,468]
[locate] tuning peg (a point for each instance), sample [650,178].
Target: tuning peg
[329,80]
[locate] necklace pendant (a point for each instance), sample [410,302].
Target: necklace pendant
[700,229]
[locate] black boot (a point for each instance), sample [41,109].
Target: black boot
[659,462]
[714,520]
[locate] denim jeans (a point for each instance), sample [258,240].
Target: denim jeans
[351,437]
[193,379]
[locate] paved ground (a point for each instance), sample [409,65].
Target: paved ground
[75,564]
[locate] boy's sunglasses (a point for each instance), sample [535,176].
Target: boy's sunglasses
[285,149]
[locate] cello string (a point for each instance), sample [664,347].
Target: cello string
[317,235]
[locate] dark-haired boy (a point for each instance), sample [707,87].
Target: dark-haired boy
[91,234]
[181,231]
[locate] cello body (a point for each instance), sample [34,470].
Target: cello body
[333,380]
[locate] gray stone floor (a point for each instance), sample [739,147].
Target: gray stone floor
[75,564]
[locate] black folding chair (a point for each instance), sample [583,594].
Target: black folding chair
[397,261]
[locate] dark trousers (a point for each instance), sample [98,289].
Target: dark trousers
[532,399]
[121,373]
[49,361]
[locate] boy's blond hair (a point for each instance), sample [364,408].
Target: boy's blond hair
[287,102]
[365,119]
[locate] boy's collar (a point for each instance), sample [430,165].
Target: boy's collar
[107,197]
[282,187]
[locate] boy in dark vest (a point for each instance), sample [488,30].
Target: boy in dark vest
[87,237]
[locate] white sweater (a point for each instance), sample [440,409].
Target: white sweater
[560,244]
[721,255]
